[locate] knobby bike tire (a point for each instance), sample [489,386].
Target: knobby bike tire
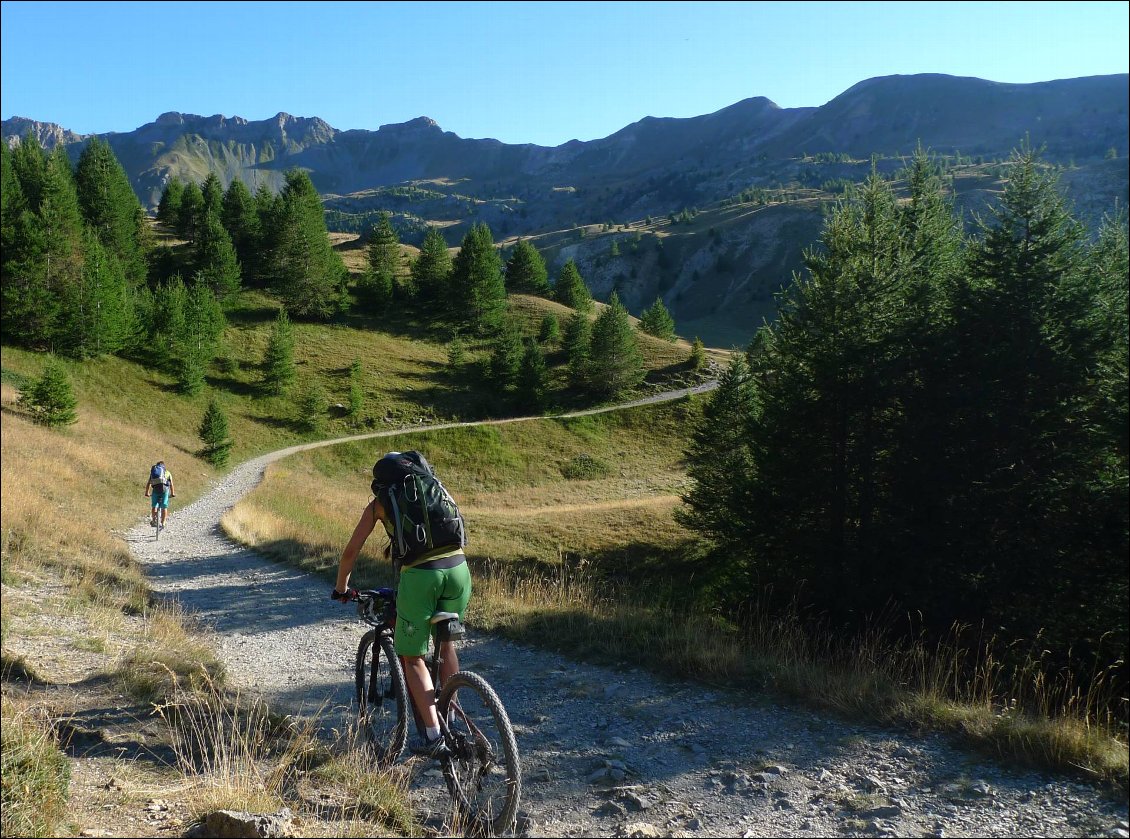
[484,779]
[381,695]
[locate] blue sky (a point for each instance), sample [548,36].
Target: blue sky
[533,72]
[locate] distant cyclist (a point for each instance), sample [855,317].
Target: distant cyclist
[159,488]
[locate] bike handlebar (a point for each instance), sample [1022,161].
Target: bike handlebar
[375,606]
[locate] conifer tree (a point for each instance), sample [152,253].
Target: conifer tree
[698,354]
[213,193]
[312,406]
[571,290]
[577,345]
[431,272]
[1023,359]
[215,258]
[110,206]
[550,331]
[278,360]
[385,260]
[525,270]
[51,398]
[47,266]
[97,311]
[657,321]
[719,446]
[479,291]
[194,343]
[17,245]
[268,210]
[191,212]
[305,270]
[168,208]
[29,165]
[533,377]
[215,435]
[615,361]
[240,216]
[506,359]
[456,353]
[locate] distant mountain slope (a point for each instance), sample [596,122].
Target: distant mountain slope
[650,170]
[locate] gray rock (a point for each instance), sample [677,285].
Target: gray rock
[230,824]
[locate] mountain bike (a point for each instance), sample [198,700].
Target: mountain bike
[482,772]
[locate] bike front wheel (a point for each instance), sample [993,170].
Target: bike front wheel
[484,775]
[381,695]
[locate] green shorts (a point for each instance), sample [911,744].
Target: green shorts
[420,595]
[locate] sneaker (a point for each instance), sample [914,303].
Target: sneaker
[435,749]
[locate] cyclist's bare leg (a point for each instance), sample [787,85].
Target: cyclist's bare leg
[450,664]
[421,689]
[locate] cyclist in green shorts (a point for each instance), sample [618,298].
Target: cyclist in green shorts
[438,580]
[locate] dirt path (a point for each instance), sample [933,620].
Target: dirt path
[612,751]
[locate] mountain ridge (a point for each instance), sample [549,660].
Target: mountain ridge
[726,267]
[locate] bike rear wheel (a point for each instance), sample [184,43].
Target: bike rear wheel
[381,695]
[484,775]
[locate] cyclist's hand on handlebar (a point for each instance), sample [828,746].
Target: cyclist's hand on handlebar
[344,596]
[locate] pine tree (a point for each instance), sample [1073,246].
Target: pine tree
[29,165]
[479,291]
[215,258]
[213,193]
[577,344]
[657,321]
[110,206]
[1021,460]
[51,398]
[240,216]
[385,261]
[305,270]
[431,272]
[268,211]
[97,310]
[46,268]
[571,290]
[506,359]
[191,212]
[456,353]
[168,208]
[698,354]
[550,331]
[20,285]
[312,406]
[214,434]
[525,270]
[194,343]
[278,360]
[615,361]
[533,377]
[719,446]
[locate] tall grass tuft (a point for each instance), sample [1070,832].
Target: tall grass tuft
[234,753]
[168,654]
[34,775]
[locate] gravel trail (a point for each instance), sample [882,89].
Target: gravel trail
[605,751]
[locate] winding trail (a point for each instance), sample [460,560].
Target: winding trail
[610,751]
